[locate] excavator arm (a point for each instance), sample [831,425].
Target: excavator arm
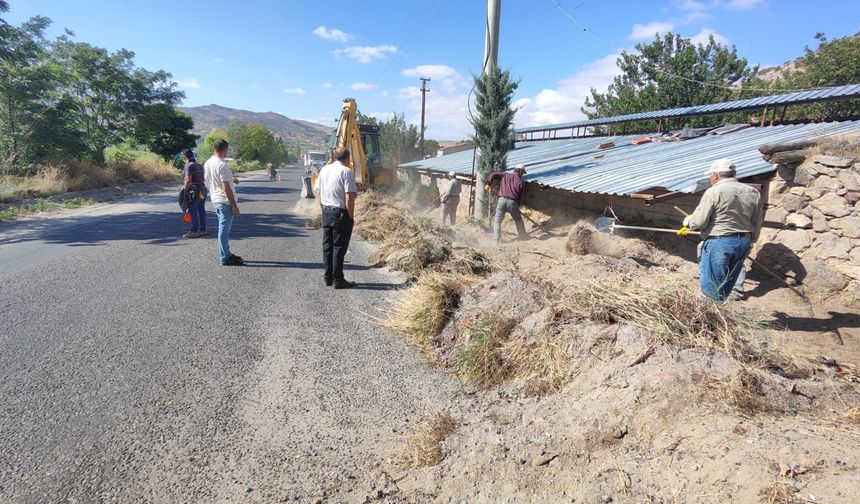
[349,136]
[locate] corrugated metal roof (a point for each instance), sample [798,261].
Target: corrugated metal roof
[797,97]
[627,169]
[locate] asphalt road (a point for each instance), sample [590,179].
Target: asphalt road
[135,368]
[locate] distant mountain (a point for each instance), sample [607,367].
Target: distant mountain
[209,117]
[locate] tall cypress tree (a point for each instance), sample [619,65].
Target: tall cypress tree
[494,92]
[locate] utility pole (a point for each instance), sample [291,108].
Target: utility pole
[424,91]
[491,57]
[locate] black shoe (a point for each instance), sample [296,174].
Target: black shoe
[343,284]
[236,258]
[328,283]
[233,261]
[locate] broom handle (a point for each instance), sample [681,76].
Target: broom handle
[661,230]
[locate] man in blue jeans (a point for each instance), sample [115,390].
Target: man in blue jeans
[219,182]
[729,216]
[195,185]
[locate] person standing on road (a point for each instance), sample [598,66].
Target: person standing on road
[511,192]
[450,199]
[219,181]
[336,183]
[729,216]
[195,188]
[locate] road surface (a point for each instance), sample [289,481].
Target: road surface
[135,368]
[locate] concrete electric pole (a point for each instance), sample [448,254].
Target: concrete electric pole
[491,56]
[424,91]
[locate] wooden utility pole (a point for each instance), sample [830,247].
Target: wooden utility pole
[424,90]
[491,57]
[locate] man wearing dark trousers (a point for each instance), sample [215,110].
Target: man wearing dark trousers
[336,183]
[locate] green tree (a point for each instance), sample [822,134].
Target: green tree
[672,72]
[206,150]
[399,140]
[254,142]
[832,63]
[494,92]
[27,84]
[431,147]
[109,92]
[164,130]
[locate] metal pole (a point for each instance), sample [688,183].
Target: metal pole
[424,91]
[491,56]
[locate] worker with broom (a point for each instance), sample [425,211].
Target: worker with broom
[729,216]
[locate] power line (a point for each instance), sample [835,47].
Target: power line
[595,36]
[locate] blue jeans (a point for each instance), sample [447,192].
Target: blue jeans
[225,221]
[721,263]
[197,210]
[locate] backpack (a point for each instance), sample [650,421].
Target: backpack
[184,200]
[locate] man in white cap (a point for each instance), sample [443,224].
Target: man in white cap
[512,188]
[729,216]
[450,199]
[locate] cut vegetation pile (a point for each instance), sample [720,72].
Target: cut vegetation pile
[408,242]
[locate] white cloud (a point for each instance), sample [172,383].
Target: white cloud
[563,103]
[744,4]
[447,116]
[366,54]
[218,60]
[361,86]
[689,5]
[189,84]
[442,77]
[702,37]
[295,90]
[333,34]
[647,31]
[327,85]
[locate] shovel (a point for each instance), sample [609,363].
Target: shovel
[608,225]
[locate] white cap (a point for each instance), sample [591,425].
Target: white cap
[723,165]
[520,167]
[452,174]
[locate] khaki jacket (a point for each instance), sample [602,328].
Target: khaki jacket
[728,207]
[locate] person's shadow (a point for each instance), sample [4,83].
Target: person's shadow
[780,260]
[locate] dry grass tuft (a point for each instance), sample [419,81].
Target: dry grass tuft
[424,446]
[579,240]
[481,360]
[849,416]
[422,310]
[744,392]
[675,314]
[779,492]
[539,365]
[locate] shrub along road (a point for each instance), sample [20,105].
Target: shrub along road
[136,368]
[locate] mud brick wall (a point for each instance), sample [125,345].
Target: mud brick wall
[629,210]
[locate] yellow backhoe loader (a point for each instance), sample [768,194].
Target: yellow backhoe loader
[362,140]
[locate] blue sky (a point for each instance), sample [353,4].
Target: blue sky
[300,58]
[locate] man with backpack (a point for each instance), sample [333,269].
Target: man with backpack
[195,193]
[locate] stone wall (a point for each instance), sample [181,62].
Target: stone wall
[815,210]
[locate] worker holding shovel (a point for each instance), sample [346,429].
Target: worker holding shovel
[730,217]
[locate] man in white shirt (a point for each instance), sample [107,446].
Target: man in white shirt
[336,183]
[222,192]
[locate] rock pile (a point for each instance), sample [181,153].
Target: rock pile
[815,208]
